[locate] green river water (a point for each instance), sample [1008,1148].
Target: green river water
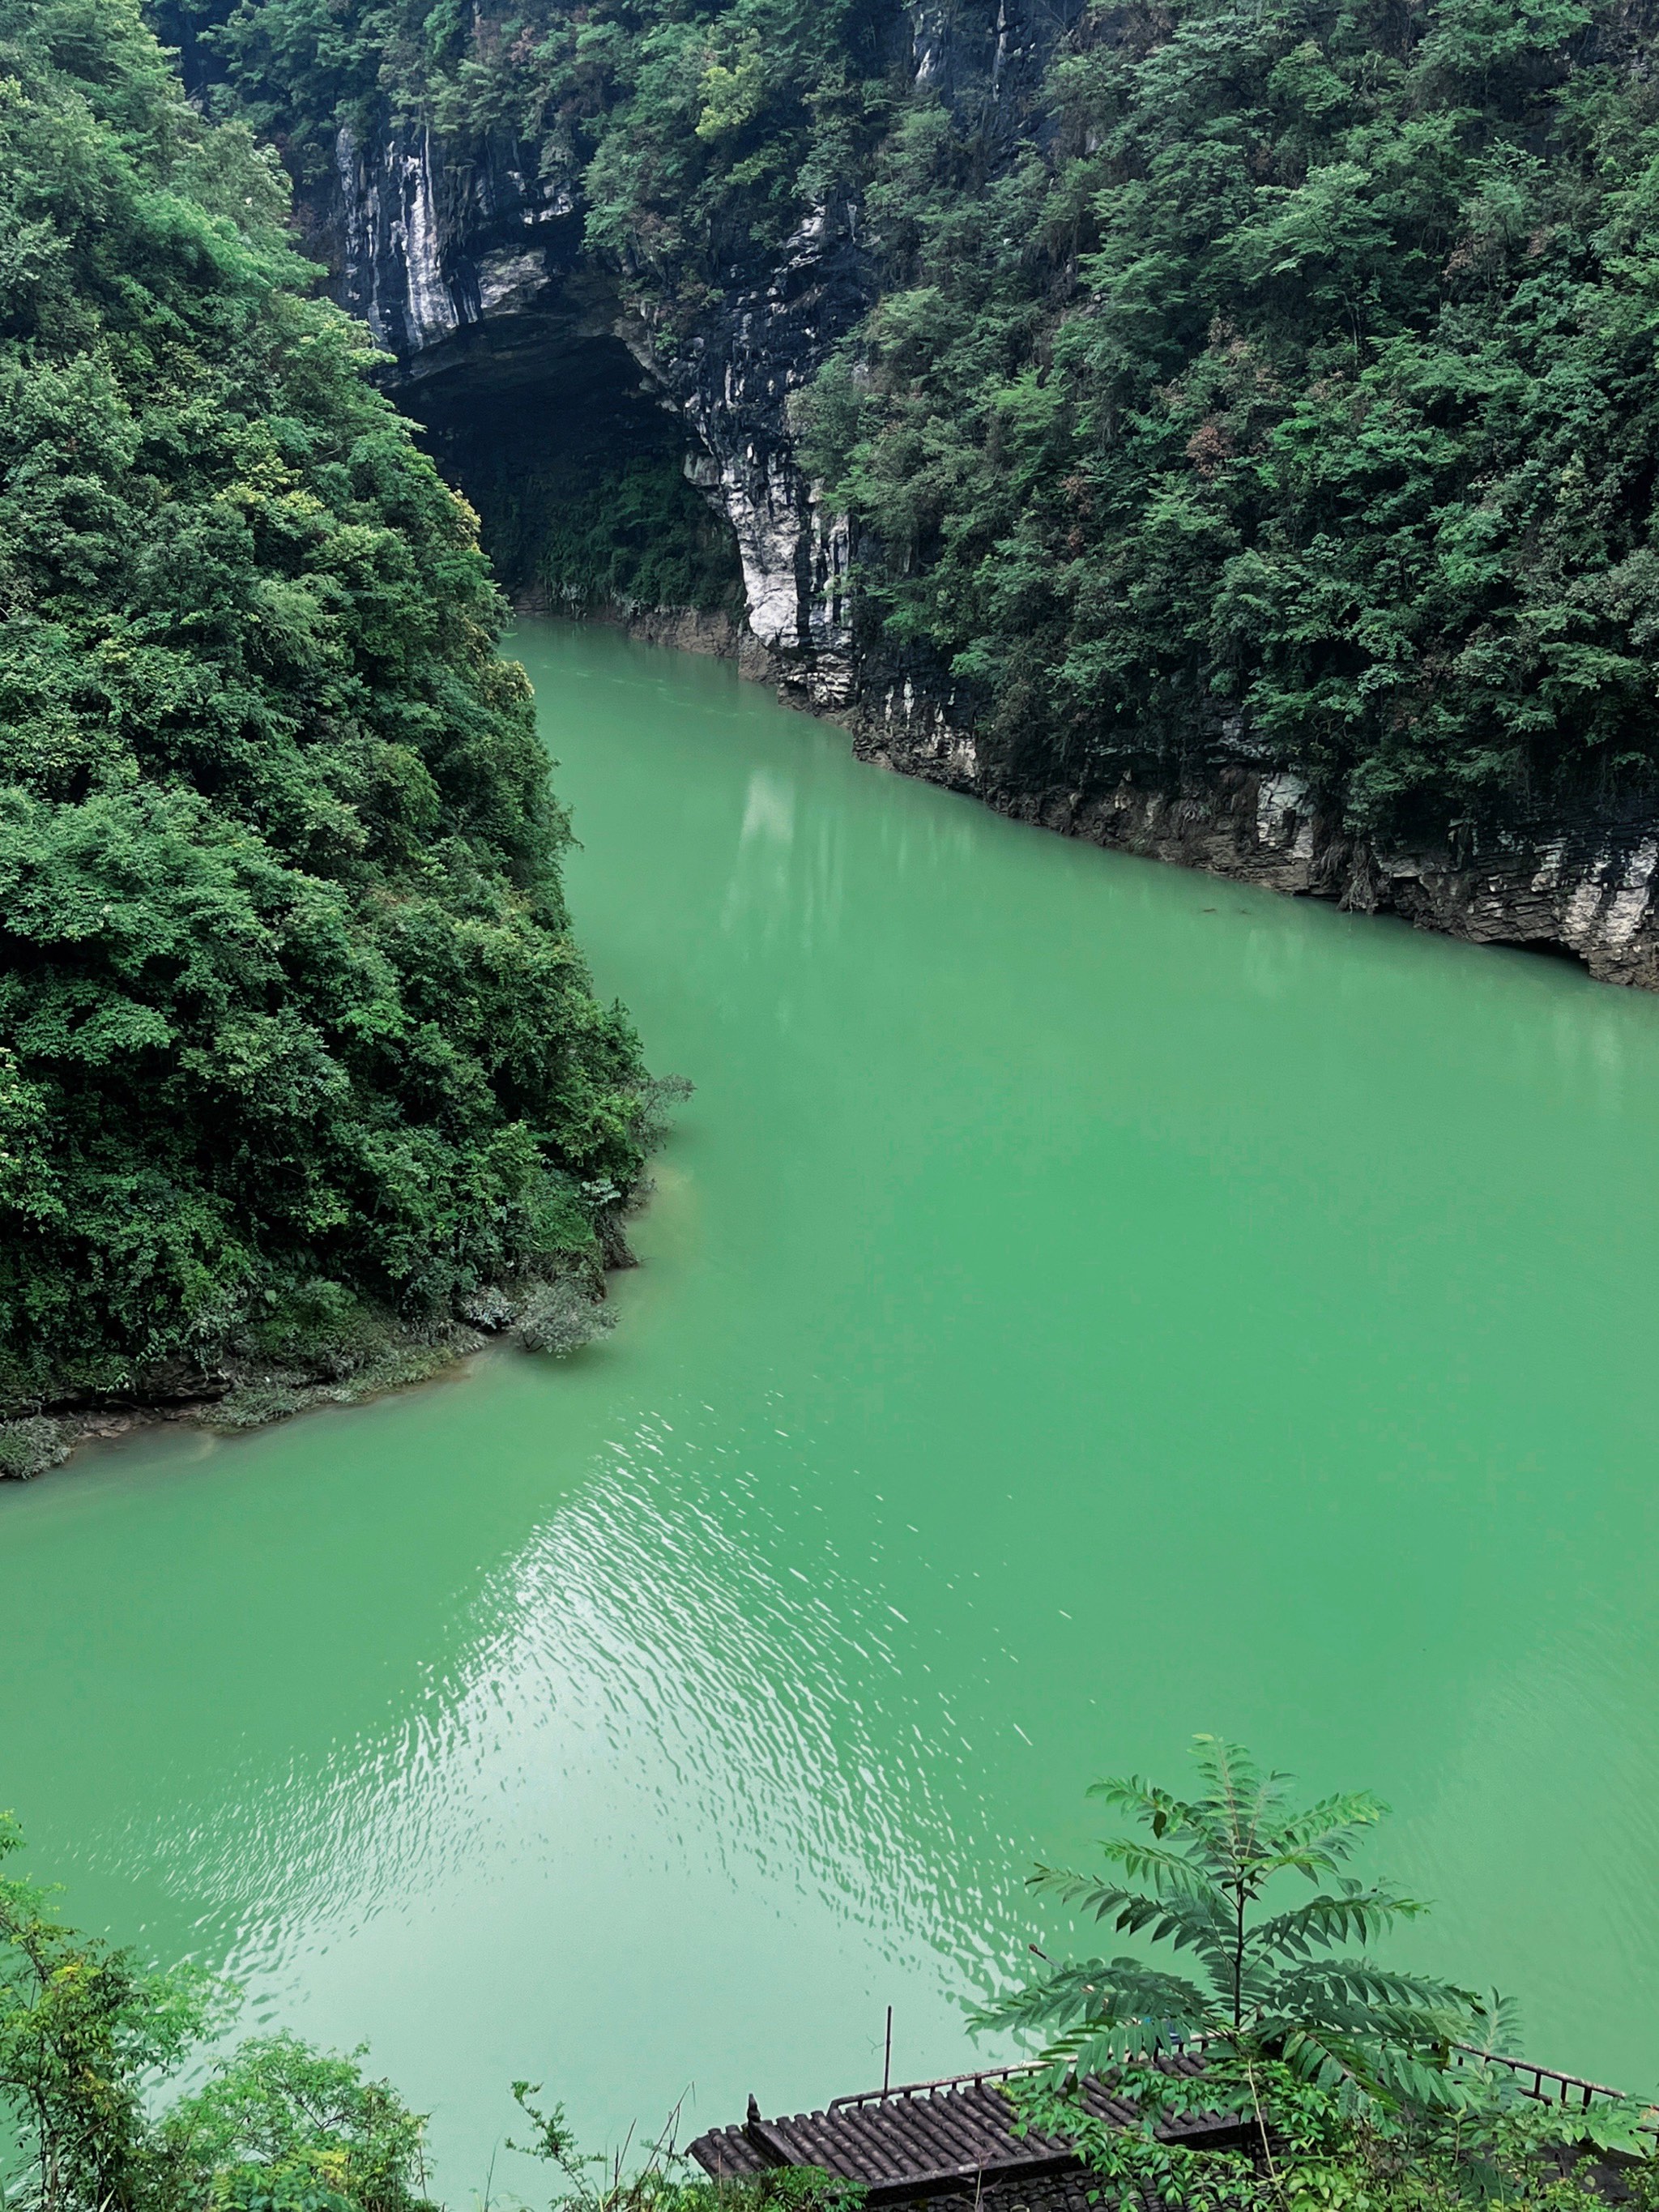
[1084,1303]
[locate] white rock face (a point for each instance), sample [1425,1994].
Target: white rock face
[829,610]
[508,280]
[432,311]
[1550,857]
[1284,817]
[1612,900]
[758,500]
[930,34]
[796,555]
[393,242]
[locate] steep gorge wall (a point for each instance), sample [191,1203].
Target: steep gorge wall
[1587,888]
[466,264]
[468,267]
[468,271]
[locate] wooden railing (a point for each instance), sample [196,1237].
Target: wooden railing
[1543,2085]
[903,2089]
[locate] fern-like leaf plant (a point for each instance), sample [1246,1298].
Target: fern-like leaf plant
[1267,1983]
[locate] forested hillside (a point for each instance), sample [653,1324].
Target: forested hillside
[1307,380]
[1185,386]
[295,1044]
[1276,378]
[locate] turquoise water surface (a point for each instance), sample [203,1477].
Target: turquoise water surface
[1085,1303]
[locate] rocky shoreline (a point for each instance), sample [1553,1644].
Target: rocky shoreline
[554,1317]
[1585,888]
[240,1398]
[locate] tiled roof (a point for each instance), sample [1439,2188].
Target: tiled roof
[931,2138]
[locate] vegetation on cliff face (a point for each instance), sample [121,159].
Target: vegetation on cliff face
[698,130]
[694,139]
[1284,379]
[599,514]
[293,1033]
[1304,388]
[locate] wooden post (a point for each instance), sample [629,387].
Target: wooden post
[887,2062]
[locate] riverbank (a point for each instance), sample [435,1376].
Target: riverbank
[242,1397]
[554,1317]
[1585,887]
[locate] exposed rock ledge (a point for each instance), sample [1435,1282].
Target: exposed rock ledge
[556,1314]
[1588,888]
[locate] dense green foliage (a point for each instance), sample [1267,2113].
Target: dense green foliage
[592,534]
[600,515]
[88,2033]
[1267,1985]
[1306,383]
[1285,383]
[1360,2082]
[291,1024]
[1314,2149]
[700,130]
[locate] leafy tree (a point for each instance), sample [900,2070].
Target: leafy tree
[1333,2057]
[84,2031]
[295,1045]
[283,2127]
[1267,1987]
[90,2038]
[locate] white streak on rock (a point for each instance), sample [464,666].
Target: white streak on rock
[1280,802]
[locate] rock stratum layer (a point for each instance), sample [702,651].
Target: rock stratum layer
[468,265]
[1585,889]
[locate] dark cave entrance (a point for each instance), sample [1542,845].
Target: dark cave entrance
[579,475]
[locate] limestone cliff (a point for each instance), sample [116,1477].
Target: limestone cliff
[469,273]
[1584,888]
[468,266]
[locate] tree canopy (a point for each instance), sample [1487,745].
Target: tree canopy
[1297,395]
[292,1026]
[1275,380]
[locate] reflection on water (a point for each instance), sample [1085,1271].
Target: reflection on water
[1082,1303]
